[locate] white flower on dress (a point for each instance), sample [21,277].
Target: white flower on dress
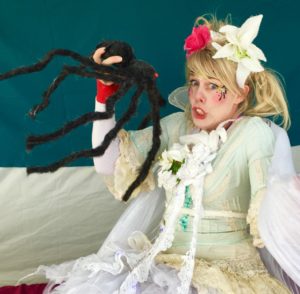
[177,153]
[240,48]
[167,179]
[191,159]
[165,161]
[189,170]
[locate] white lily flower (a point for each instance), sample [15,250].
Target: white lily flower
[165,161]
[167,180]
[240,48]
[178,152]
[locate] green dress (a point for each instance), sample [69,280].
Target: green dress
[227,260]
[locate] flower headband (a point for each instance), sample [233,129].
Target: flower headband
[238,46]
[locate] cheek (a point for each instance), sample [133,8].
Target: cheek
[218,99]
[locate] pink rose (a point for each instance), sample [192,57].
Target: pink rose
[197,40]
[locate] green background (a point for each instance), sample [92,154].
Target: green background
[156,29]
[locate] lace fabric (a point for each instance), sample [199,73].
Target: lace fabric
[228,276]
[126,170]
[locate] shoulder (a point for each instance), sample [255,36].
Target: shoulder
[257,127]
[259,140]
[176,116]
[173,126]
[175,120]
[256,121]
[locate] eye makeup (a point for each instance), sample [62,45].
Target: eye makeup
[221,92]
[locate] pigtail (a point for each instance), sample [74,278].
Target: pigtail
[267,97]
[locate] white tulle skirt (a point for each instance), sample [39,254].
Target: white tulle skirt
[104,272]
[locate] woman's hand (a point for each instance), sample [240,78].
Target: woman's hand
[108,61]
[105,89]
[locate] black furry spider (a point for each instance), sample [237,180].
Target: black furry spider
[129,73]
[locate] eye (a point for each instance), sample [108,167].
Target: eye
[193,83]
[213,86]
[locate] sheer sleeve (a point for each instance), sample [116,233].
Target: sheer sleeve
[259,150]
[134,147]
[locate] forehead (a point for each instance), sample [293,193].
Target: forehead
[203,66]
[204,79]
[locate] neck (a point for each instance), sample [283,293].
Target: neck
[235,117]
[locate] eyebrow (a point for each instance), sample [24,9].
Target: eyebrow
[214,78]
[192,74]
[193,77]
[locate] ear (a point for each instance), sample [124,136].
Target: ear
[241,97]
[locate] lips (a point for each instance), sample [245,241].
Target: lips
[198,113]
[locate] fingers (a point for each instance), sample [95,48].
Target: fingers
[112,59]
[97,54]
[108,61]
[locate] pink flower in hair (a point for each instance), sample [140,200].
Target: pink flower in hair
[197,40]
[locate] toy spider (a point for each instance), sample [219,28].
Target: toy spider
[129,73]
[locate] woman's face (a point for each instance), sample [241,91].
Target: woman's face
[211,103]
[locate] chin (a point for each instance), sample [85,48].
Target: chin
[204,126]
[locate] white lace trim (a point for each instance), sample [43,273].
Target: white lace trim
[163,242]
[208,144]
[186,272]
[126,170]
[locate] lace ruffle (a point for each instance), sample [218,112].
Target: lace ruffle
[228,276]
[127,169]
[252,218]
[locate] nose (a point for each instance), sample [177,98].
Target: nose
[198,94]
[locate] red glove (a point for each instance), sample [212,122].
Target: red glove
[105,91]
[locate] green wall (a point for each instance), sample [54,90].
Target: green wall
[156,29]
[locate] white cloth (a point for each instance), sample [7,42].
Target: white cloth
[279,216]
[282,161]
[104,164]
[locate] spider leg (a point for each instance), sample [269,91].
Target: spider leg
[102,72]
[154,97]
[147,118]
[96,151]
[46,95]
[145,121]
[44,62]
[33,141]
[67,70]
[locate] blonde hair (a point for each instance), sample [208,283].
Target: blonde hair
[266,97]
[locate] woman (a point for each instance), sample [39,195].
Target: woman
[192,236]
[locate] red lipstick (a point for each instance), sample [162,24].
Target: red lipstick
[198,113]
